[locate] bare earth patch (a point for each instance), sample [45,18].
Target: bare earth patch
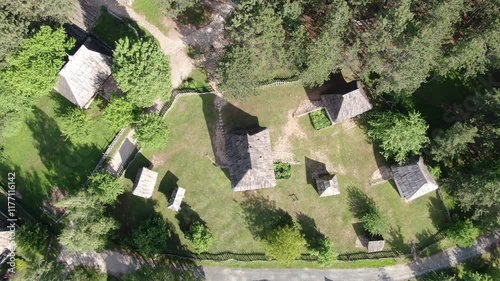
[381,175]
[283,150]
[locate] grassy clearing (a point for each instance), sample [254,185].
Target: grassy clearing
[197,15]
[153,11]
[42,158]
[196,82]
[110,29]
[236,219]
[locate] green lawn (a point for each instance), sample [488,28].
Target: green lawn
[196,82]
[42,158]
[236,218]
[110,29]
[152,10]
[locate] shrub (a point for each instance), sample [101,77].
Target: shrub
[32,238]
[201,237]
[285,244]
[320,119]
[76,125]
[282,171]
[463,233]
[375,223]
[150,237]
[324,252]
[151,131]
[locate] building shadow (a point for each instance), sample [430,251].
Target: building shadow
[167,184]
[138,162]
[222,117]
[361,234]
[313,169]
[262,216]
[437,213]
[334,85]
[359,203]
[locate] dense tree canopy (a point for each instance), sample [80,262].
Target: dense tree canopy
[142,71]
[88,228]
[151,131]
[285,244]
[76,126]
[105,186]
[151,237]
[119,113]
[450,144]
[399,136]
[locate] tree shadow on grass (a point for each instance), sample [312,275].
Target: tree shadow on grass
[359,203]
[310,230]
[186,217]
[262,216]
[131,211]
[68,164]
[437,213]
[396,240]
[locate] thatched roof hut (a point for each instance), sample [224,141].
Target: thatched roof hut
[84,74]
[413,179]
[145,183]
[341,107]
[327,185]
[176,199]
[250,159]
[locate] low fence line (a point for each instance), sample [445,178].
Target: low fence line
[278,83]
[105,154]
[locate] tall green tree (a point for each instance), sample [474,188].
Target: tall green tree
[463,233]
[151,131]
[119,113]
[375,223]
[285,244]
[399,136]
[76,126]
[450,144]
[151,237]
[326,53]
[106,187]
[142,71]
[88,228]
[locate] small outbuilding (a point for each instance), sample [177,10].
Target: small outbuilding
[375,244]
[327,185]
[413,179]
[176,199]
[145,183]
[84,74]
[250,159]
[341,107]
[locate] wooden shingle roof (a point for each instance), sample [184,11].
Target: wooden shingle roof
[413,179]
[176,199]
[341,107]
[84,74]
[327,185]
[145,183]
[250,159]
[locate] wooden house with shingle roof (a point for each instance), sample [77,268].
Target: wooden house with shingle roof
[176,199]
[413,179]
[84,74]
[250,159]
[145,183]
[344,106]
[327,185]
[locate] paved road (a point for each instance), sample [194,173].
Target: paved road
[418,267]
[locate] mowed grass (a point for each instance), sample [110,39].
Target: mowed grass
[153,11]
[43,158]
[187,161]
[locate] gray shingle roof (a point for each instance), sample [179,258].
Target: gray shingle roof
[145,183]
[327,185]
[411,177]
[343,107]
[176,199]
[83,75]
[250,159]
